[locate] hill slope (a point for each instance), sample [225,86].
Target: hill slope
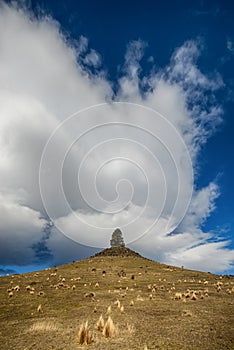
[152,317]
[118,251]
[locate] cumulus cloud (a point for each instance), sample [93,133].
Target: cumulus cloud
[92,59]
[209,256]
[119,164]
[20,228]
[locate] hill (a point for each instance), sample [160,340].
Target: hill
[118,251]
[164,307]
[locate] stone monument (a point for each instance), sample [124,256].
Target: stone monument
[117,239]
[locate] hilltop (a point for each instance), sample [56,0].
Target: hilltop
[118,251]
[164,307]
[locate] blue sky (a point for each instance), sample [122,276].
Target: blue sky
[105,37]
[166,25]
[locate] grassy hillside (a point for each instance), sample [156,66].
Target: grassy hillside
[158,307]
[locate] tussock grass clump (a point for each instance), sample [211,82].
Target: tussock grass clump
[193,297]
[108,311]
[109,329]
[117,302]
[84,334]
[90,295]
[178,296]
[100,324]
[219,284]
[139,298]
[39,309]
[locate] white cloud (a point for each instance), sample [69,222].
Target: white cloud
[92,59]
[208,256]
[20,228]
[43,80]
[230,45]
[201,207]
[66,250]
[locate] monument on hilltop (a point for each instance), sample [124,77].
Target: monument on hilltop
[117,247]
[117,239]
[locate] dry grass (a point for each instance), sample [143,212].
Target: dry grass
[84,334]
[130,328]
[187,313]
[194,297]
[178,296]
[109,329]
[44,326]
[100,324]
[108,311]
[39,308]
[161,321]
[117,303]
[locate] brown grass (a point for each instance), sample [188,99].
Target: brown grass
[100,324]
[109,329]
[178,296]
[84,334]
[39,309]
[161,322]
[117,303]
[130,328]
[194,297]
[43,326]
[108,311]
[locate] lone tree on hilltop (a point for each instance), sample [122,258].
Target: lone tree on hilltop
[117,239]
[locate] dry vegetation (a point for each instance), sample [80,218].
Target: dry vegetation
[116,302]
